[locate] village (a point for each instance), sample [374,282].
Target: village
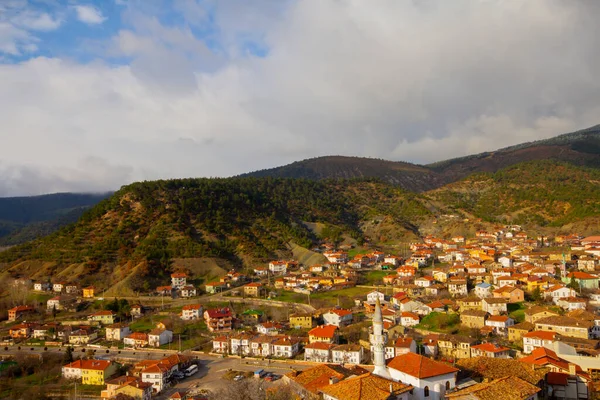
[500,312]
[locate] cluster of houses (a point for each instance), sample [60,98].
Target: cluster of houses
[409,374]
[143,380]
[514,300]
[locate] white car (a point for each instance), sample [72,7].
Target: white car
[238,377]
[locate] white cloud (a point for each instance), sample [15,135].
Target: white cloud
[32,20]
[414,81]
[89,14]
[19,24]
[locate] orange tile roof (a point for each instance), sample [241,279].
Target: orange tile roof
[581,275]
[366,387]
[326,331]
[314,379]
[97,365]
[403,342]
[179,275]
[541,335]
[192,307]
[319,346]
[490,347]
[341,313]
[509,387]
[419,366]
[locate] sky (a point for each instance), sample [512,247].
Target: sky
[98,94]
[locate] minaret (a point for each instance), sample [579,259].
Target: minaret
[378,342]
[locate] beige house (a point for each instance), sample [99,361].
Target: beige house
[565,326]
[534,313]
[516,332]
[473,318]
[469,303]
[455,346]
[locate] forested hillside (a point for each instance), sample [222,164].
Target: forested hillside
[27,218]
[132,237]
[538,193]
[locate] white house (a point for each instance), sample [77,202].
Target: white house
[405,345]
[268,328]
[572,303]
[424,281]
[374,295]
[506,262]
[500,324]
[557,292]
[178,280]
[458,288]
[348,354]
[409,319]
[535,339]
[117,332]
[188,291]
[483,290]
[41,286]
[72,370]
[430,379]
[278,267]
[494,305]
[58,287]
[338,317]
[490,350]
[191,312]
[318,352]
[158,337]
[286,347]
[157,375]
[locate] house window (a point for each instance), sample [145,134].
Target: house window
[426,391]
[447,385]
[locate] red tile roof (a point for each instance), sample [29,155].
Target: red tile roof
[581,275]
[324,331]
[419,366]
[219,313]
[490,347]
[192,307]
[98,365]
[557,378]
[541,335]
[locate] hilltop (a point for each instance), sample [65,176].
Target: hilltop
[581,148]
[411,177]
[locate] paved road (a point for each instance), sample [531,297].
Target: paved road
[210,374]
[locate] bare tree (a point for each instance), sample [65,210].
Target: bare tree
[255,389]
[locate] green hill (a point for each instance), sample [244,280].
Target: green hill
[408,176]
[26,218]
[243,221]
[135,238]
[537,193]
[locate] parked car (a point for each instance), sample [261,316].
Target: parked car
[238,377]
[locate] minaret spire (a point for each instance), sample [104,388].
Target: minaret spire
[378,341]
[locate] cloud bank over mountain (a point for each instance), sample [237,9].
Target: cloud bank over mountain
[95,97]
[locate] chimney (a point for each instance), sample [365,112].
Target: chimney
[333,380]
[391,388]
[572,369]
